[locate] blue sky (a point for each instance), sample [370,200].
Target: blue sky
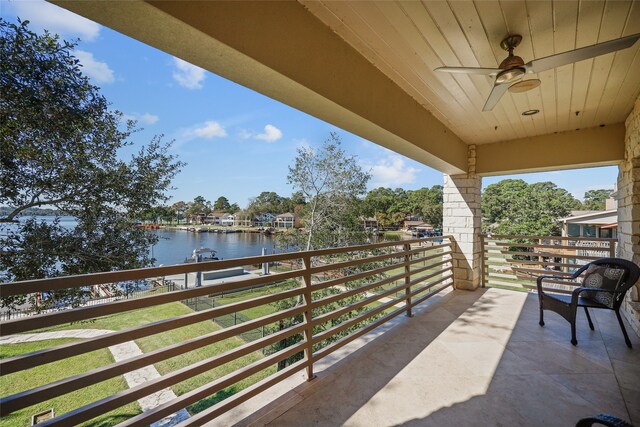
[236,142]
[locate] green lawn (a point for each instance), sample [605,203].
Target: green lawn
[178,335]
[259,311]
[24,380]
[147,344]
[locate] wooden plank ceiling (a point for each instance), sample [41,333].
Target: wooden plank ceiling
[408,39]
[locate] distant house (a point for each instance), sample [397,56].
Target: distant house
[602,224]
[425,228]
[243,220]
[214,218]
[369,222]
[285,220]
[228,220]
[196,219]
[591,224]
[264,220]
[411,224]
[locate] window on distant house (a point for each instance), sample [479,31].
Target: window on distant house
[573,230]
[589,230]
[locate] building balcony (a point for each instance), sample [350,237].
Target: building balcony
[362,335]
[465,359]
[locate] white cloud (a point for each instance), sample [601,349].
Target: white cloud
[244,134]
[270,134]
[96,70]
[57,20]
[392,172]
[188,75]
[211,129]
[147,118]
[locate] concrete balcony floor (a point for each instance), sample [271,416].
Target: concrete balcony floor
[464,359]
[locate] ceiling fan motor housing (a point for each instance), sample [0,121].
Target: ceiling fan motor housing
[512,66]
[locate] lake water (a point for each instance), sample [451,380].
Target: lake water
[175,245]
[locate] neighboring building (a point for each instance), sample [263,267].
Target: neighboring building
[214,218]
[264,220]
[196,219]
[369,223]
[591,224]
[285,220]
[228,220]
[411,224]
[243,220]
[425,228]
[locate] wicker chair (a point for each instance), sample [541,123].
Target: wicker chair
[567,305]
[603,419]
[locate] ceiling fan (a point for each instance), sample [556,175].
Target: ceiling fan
[513,68]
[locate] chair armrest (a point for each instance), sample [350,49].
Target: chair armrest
[541,278]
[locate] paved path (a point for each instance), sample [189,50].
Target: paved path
[120,352]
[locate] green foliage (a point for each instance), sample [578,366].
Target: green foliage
[594,200]
[390,207]
[179,209]
[158,214]
[59,145]
[200,205]
[332,183]
[269,202]
[333,306]
[514,207]
[221,204]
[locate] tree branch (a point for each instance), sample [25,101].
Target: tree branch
[17,211]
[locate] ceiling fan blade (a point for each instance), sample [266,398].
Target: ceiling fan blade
[495,95]
[469,70]
[580,54]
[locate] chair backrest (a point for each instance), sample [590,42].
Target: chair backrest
[631,275]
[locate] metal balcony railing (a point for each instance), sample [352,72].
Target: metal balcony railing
[514,262]
[327,298]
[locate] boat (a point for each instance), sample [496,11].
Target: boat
[202,255]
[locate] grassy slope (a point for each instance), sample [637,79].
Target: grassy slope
[21,381]
[147,344]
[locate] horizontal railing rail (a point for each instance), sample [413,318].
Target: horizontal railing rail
[516,261]
[325,300]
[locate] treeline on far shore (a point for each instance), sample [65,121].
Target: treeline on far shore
[6,210]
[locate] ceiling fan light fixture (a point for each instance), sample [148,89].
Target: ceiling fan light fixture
[524,85]
[510,75]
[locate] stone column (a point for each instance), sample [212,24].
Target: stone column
[462,218]
[628,196]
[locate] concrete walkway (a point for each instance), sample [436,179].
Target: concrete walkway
[120,352]
[370,294]
[465,359]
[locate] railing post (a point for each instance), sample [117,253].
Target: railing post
[612,248]
[407,279]
[308,317]
[483,265]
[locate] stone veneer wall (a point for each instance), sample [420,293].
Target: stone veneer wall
[462,217]
[629,211]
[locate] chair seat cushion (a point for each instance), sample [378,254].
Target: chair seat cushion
[602,277]
[582,302]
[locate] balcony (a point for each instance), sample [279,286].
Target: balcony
[323,339]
